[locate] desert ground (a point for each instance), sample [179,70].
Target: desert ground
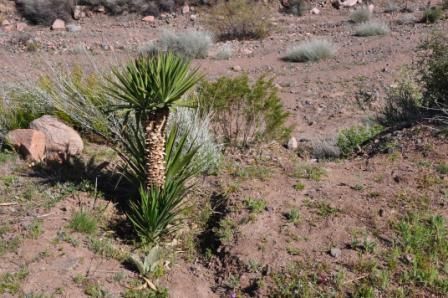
[272,221]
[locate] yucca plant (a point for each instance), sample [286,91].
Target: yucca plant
[147,88]
[158,212]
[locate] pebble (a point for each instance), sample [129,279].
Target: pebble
[335,252]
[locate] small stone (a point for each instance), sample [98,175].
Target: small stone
[58,24]
[100,9]
[335,252]
[371,8]
[21,26]
[193,17]
[236,68]
[73,27]
[315,10]
[185,9]
[149,19]
[293,144]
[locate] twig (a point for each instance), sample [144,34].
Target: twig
[356,279]
[8,204]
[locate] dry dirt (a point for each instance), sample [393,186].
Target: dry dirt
[356,197]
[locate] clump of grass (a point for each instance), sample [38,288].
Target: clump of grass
[432,15]
[312,172]
[255,206]
[293,215]
[309,51]
[424,240]
[442,168]
[351,139]
[371,28]
[325,149]
[10,282]
[105,248]
[191,43]
[239,19]
[361,15]
[83,222]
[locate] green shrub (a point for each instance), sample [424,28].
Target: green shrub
[239,19]
[434,70]
[403,102]
[432,14]
[191,44]
[83,222]
[361,15]
[244,113]
[350,139]
[371,28]
[313,50]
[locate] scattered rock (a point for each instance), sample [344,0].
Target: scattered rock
[371,8]
[73,27]
[29,142]
[21,26]
[193,17]
[58,24]
[335,252]
[236,68]
[315,10]
[61,140]
[293,144]
[185,9]
[100,9]
[149,19]
[5,23]
[80,11]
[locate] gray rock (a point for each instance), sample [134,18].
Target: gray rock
[335,252]
[73,27]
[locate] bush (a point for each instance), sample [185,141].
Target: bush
[197,128]
[224,52]
[361,15]
[351,139]
[403,102]
[313,50]
[296,7]
[371,29]
[244,113]
[191,44]
[239,19]
[432,15]
[45,12]
[325,149]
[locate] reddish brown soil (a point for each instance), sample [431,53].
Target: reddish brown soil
[366,193]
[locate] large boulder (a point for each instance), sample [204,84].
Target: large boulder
[61,140]
[28,142]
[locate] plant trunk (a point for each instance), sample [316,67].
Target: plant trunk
[155,148]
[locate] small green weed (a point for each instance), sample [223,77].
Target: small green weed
[255,206]
[351,139]
[323,209]
[293,215]
[312,172]
[10,282]
[105,248]
[83,222]
[226,230]
[442,168]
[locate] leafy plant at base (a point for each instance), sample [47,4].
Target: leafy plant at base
[239,19]
[149,262]
[242,113]
[158,212]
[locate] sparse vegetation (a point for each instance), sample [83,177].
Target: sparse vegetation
[239,19]
[306,171]
[310,51]
[255,206]
[371,28]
